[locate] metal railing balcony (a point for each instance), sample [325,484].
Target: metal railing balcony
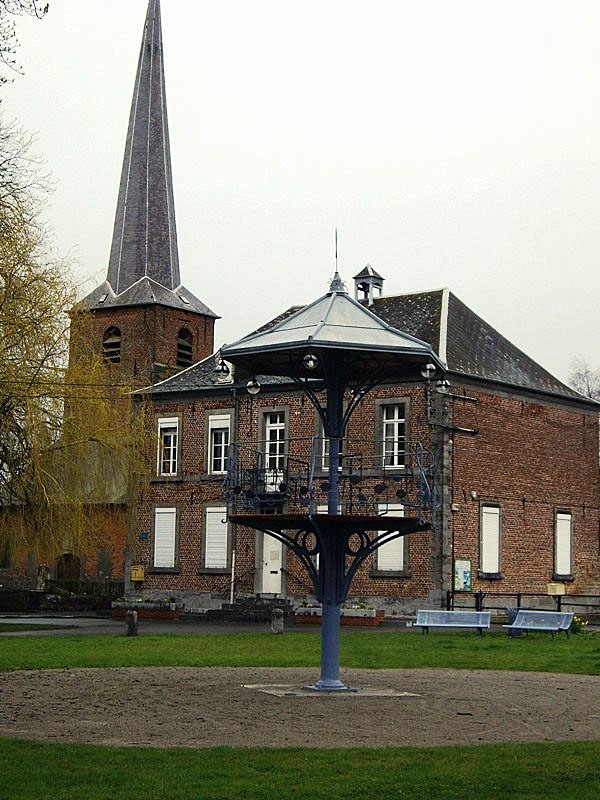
[292,476]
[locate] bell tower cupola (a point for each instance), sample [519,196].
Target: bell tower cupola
[368,284]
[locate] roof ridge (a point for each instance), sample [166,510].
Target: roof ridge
[410,294]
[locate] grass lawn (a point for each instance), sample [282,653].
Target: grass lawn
[535,771]
[538,652]
[564,771]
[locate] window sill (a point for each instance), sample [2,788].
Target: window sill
[563,578]
[166,478]
[489,576]
[163,570]
[391,573]
[214,571]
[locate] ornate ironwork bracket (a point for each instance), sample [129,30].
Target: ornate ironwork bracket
[340,542]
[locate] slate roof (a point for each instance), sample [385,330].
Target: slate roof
[146,291]
[368,272]
[144,261]
[471,346]
[202,376]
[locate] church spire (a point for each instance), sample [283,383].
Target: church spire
[144,241]
[144,263]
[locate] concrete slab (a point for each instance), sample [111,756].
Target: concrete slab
[290,690]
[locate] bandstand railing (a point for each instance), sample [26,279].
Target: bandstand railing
[295,479]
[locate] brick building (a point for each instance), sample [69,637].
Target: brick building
[516,451]
[516,455]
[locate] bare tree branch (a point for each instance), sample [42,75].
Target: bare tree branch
[9,43]
[585,380]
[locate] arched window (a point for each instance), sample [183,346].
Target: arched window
[111,346]
[185,346]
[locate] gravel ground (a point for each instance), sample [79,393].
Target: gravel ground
[169,707]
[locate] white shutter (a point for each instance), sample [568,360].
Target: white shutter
[562,544]
[490,539]
[390,556]
[165,523]
[215,552]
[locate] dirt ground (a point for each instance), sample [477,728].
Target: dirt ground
[168,707]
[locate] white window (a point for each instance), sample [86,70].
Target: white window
[563,535]
[394,435]
[215,537]
[218,442]
[275,440]
[489,547]
[325,454]
[274,449]
[165,535]
[324,448]
[390,556]
[168,436]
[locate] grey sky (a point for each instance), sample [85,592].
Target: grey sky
[452,144]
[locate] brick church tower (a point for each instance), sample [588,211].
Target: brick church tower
[147,324]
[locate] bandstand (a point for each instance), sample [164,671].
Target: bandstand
[336,351]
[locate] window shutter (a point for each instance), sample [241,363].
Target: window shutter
[215,553]
[562,544]
[390,556]
[165,522]
[490,539]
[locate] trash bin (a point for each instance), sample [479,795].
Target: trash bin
[512,615]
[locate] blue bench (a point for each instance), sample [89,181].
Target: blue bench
[552,621]
[427,618]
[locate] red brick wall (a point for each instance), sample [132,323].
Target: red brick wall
[531,458]
[193,491]
[149,339]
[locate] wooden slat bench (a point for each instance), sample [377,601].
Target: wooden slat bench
[427,618]
[553,621]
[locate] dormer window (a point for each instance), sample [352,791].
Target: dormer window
[111,346]
[185,347]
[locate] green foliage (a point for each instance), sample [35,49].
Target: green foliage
[365,650]
[579,624]
[68,437]
[562,771]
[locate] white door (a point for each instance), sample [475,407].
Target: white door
[271,573]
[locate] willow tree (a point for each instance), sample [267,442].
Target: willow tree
[71,448]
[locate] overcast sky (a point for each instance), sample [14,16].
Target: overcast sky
[452,143]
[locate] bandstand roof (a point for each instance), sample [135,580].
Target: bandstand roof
[333,322]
